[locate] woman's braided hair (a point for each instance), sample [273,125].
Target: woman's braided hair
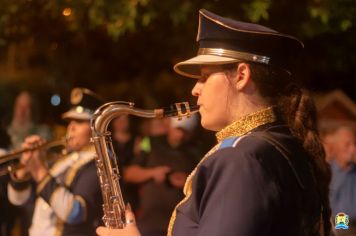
[298,111]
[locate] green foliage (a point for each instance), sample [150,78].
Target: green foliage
[118,17]
[86,41]
[332,15]
[257,10]
[180,15]
[345,24]
[320,13]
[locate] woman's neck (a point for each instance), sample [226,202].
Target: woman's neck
[246,107]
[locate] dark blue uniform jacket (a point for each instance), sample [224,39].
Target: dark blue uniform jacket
[247,187]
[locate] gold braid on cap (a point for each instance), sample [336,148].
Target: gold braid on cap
[234,54]
[76,96]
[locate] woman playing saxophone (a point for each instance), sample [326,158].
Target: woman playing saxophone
[267,175]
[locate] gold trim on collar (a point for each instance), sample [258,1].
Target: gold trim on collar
[247,123]
[59,227]
[88,148]
[43,183]
[70,175]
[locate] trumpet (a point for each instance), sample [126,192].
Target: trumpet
[16,154]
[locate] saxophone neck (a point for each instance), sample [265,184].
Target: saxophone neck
[110,111]
[179,110]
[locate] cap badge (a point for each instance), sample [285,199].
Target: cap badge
[76,96]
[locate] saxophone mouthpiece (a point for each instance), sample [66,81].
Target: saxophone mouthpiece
[179,110]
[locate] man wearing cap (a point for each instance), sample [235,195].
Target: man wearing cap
[267,175]
[161,169]
[67,194]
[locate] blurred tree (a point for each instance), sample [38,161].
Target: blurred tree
[134,43]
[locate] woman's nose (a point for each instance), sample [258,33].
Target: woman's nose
[196,89]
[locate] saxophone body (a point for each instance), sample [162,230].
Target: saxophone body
[107,166]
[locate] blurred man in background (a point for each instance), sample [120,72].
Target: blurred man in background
[343,185]
[8,211]
[67,193]
[124,141]
[23,123]
[161,169]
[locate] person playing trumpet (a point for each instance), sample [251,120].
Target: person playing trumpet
[67,193]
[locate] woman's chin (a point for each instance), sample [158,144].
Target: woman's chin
[209,126]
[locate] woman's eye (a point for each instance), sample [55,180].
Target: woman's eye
[203,78]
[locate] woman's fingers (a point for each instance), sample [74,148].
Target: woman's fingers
[102,231]
[33,141]
[130,216]
[130,228]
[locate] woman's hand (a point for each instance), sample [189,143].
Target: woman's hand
[33,160]
[177,179]
[159,173]
[129,230]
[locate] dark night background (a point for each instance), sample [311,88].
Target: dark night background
[125,50]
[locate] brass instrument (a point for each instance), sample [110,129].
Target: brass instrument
[16,154]
[107,168]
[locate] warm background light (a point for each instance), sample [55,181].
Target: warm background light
[67,11]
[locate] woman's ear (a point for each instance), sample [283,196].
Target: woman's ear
[243,76]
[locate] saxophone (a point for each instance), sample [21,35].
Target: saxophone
[107,168]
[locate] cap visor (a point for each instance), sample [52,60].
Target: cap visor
[73,115]
[191,68]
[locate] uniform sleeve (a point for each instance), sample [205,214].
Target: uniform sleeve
[75,204]
[19,192]
[237,195]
